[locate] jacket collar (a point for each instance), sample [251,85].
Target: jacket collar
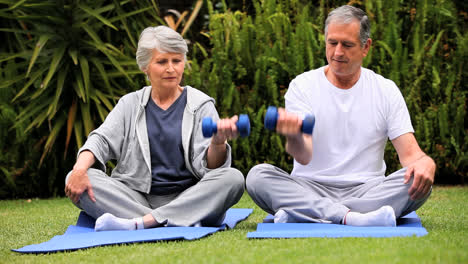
[195,98]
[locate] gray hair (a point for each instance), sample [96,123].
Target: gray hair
[161,38]
[346,14]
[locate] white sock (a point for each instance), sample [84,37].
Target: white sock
[384,216]
[107,222]
[281,217]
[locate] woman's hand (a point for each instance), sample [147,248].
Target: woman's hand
[227,130]
[77,184]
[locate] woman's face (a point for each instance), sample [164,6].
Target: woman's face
[165,70]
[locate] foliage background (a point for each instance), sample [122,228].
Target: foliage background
[65,63]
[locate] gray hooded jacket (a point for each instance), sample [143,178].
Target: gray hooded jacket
[124,137]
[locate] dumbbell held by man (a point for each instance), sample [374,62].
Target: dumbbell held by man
[271,117]
[209,127]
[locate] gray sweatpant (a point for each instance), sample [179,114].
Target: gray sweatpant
[206,202]
[305,200]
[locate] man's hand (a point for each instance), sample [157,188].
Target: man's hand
[298,144]
[288,124]
[77,184]
[418,165]
[422,171]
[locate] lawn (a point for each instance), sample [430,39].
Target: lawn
[25,222]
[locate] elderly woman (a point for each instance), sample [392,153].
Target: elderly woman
[167,173]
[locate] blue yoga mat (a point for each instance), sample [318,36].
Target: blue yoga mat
[82,235]
[409,225]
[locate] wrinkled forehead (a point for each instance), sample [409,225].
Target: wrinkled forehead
[341,29]
[157,53]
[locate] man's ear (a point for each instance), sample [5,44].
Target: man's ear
[366,47]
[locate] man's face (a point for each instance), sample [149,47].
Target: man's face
[343,48]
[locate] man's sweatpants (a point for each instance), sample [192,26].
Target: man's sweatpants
[206,202]
[305,200]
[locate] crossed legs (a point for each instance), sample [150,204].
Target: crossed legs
[204,203]
[296,199]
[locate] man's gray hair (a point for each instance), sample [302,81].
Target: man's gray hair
[345,15]
[161,38]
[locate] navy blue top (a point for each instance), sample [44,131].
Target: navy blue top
[167,154]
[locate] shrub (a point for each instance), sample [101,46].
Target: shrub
[65,63]
[418,44]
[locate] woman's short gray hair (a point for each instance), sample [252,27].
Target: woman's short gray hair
[161,38]
[346,14]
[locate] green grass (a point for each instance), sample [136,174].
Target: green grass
[444,215]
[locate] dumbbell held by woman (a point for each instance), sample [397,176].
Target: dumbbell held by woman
[209,127]
[271,117]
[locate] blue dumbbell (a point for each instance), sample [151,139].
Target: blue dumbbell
[271,117]
[209,127]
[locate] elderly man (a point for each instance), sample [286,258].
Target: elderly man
[339,171]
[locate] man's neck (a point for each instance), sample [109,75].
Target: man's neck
[342,81]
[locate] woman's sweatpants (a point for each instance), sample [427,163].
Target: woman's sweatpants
[206,202]
[305,200]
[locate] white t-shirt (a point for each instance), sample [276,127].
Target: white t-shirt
[351,126]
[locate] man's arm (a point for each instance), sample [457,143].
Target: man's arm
[298,145]
[419,165]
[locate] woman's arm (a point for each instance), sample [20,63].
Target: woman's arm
[78,182]
[227,130]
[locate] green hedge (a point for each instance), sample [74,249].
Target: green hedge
[420,45]
[65,63]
